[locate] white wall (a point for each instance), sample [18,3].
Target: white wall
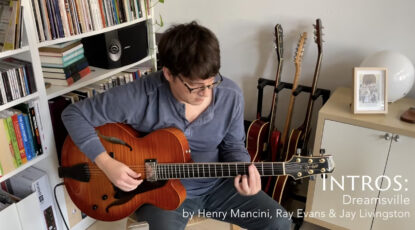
[353,29]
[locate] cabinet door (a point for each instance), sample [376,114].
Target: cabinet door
[357,152]
[392,209]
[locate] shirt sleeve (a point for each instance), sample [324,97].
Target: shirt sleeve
[232,147]
[123,104]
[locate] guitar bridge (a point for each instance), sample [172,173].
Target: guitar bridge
[151,169]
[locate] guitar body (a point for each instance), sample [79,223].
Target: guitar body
[257,139]
[275,139]
[281,181]
[101,200]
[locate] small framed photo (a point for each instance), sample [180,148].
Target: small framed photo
[370,90]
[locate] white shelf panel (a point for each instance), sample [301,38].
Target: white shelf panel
[91,33]
[24,166]
[96,74]
[19,101]
[9,53]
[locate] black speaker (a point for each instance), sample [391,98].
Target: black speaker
[117,48]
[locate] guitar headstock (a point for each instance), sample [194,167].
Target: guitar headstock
[278,33]
[305,166]
[318,34]
[299,53]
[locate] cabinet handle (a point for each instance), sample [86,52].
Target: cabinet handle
[396,138]
[387,136]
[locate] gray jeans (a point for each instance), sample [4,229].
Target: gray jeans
[222,203]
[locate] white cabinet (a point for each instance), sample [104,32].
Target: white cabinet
[400,163]
[372,184]
[49,161]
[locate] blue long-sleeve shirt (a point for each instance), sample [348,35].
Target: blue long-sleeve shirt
[147,104]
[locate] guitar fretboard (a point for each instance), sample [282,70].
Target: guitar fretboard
[218,170]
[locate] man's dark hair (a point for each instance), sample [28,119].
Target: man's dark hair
[190,50]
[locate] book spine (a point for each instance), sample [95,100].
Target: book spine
[36,136]
[11,28]
[3,90]
[23,69]
[18,25]
[25,138]
[13,139]
[80,16]
[78,76]
[64,17]
[101,9]
[38,20]
[13,84]
[51,20]
[59,20]
[7,87]
[28,128]
[19,138]
[22,81]
[9,141]
[74,15]
[69,17]
[39,125]
[46,23]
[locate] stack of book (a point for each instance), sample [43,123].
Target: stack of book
[62,18]
[11,26]
[64,64]
[19,136]
[16,79]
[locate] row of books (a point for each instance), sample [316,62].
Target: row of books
[19,135]
[62,18]
[64,64]
[120,79]
[16,79]
[11,24]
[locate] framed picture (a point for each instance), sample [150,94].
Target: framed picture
[370,90]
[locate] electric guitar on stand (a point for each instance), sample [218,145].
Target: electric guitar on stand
[298,140]
[262,136]
[283,146]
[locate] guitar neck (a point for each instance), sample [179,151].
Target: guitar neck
[306,124]
[291,105]
[220,170]
[274,100]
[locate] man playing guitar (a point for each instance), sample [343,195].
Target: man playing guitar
[191,95]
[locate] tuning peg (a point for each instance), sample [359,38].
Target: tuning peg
[322,152]
[299,151]
[313,178]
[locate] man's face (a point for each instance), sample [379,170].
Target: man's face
[193,92]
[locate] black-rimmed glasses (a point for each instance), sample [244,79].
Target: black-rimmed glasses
[202,88]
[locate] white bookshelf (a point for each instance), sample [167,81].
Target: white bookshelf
[10,53]
[48,161]
[19,101]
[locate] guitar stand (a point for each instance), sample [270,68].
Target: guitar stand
[262,83]
[324,93]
